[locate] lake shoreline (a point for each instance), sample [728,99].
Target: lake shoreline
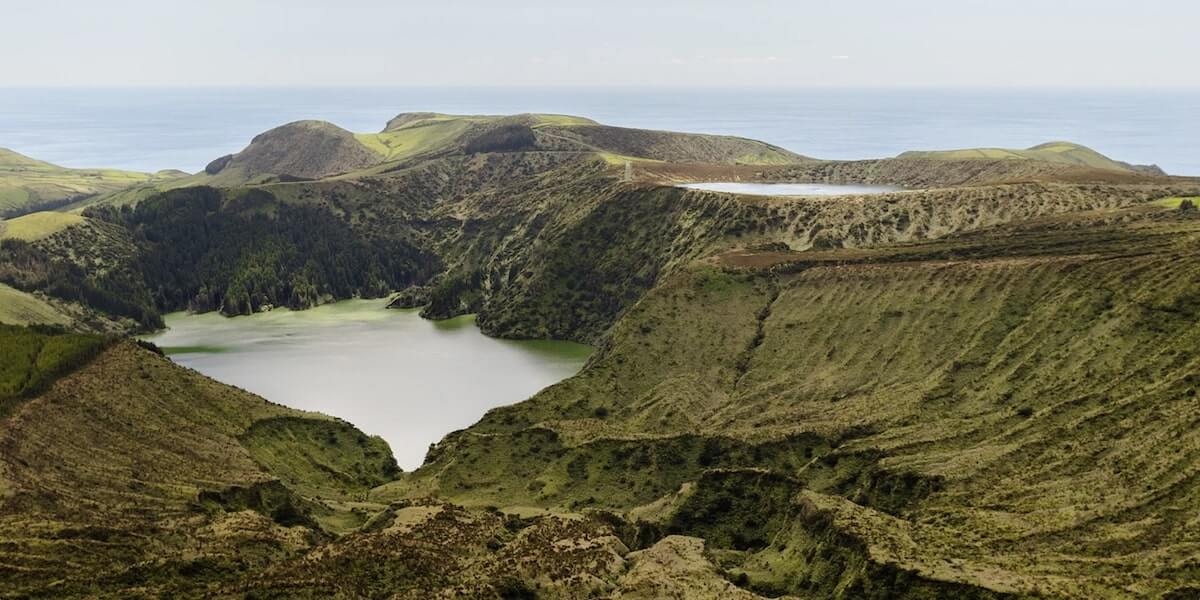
[792,189]
[389,372]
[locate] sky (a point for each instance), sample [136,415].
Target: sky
[1061,43]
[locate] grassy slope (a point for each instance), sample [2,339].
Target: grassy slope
[437,132]
[134,477]
[941,404]
[668,146]
[33,359]
[414,138]
[566,265]
[1176,201]
[28,184]
[304,149]
[1052,152]
[87,269]
[820,456]
[551,244]
[22,308]
[131,471]
[35,226]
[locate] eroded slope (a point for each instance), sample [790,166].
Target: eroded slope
[134,474]
[973,412]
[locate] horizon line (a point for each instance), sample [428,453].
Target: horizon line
[599,86]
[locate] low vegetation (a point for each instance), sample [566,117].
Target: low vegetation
[23,308]
[242,252]
[944,392]
[321,456]
[32,358]
[924,389]
[35,226]
[28,185]
[1053,152]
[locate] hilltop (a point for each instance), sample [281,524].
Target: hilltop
[307,150]
[300,150]
[490,214]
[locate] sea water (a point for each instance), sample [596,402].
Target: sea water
[148,129]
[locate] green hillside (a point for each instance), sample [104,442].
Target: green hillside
[307,150]
[413,134]
[905,421]
[31,359]
[23,308]
[27,185]
[129,472]
[934,403]
[38,225]
[1065,153]
[945,392]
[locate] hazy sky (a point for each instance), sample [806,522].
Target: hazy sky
[602,42]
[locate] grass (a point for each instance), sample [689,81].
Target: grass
[438,132]
[31,359]
[22,308]
[35,226]
[1175,201]
[27,184]
[764,157]
[1054,152]
[942,399]
[613,158]
[321,457]
[415,138]
[565,120]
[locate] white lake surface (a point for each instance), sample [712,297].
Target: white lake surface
[792,189]
[389,372]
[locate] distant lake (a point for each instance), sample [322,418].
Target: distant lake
[792,189]
[149,129]
[389,372]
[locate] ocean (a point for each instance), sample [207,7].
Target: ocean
[148,129]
